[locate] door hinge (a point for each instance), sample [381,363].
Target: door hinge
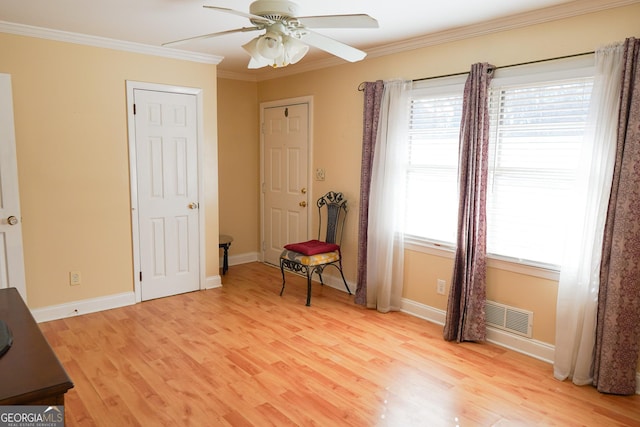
[141,276]
[262,127]
[134,109]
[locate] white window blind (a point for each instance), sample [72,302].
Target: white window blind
[432,172]
[536,134]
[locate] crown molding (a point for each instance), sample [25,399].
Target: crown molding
[235,75]
[535,17]
[107,43]
[539,16]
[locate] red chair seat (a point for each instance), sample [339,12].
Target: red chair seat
[312,247]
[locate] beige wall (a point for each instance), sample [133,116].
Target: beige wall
[71,135]
[338,134]
[239,168]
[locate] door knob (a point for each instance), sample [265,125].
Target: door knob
[12,220]
[303,204]
[303,191]
[193,205]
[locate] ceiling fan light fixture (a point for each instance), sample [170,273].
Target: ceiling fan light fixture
[251,48]
[270,45]
[294,50]
[257,60]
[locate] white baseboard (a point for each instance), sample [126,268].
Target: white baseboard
[242,258]
[534,348]
[86,306]
[335,282]
[212,282]
[530,347]
[423,311]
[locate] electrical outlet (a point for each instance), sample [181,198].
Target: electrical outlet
[441,286]
[74,278]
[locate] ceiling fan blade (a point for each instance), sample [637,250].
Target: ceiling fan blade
[208,36]
[332,46]
[339,21]
[253,18]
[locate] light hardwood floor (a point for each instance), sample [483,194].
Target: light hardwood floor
[242,355]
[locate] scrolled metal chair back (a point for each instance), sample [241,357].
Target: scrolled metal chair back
[336,214]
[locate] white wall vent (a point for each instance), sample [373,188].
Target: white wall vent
[509,318]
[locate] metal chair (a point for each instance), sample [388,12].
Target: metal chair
[313,256]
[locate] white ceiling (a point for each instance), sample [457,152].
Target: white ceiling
[153,22]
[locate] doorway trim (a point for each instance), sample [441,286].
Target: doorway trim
[284,103]
[14,256]
[133,175]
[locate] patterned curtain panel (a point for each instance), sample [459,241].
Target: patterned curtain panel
[618,324]
[465,319]
[371,116]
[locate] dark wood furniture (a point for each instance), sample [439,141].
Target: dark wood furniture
[225,243]
[30,372]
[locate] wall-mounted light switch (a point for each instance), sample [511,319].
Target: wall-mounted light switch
[74,278]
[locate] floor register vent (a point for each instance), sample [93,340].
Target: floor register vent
[509,318]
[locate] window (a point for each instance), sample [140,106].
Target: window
[535,145]
[434,126]
[537,124]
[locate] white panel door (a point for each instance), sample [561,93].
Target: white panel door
[167,176]
[286,148]
[11,255]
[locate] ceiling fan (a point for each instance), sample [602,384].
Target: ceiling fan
[287,36]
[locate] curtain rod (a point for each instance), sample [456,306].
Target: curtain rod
[361,87]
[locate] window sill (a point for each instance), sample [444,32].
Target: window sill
[502,263]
